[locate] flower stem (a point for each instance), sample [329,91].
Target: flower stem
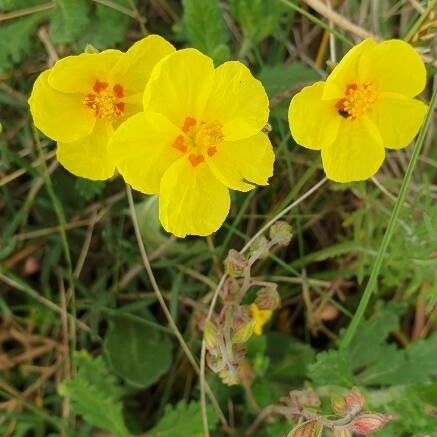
[371,284]
[164,306]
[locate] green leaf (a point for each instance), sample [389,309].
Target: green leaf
[280,78]
[289,358]
[95,395]
[16,39]
[183,421]
[107,28]
[70,17]
[140,355]
[331,368]
[205,27]
[257,18]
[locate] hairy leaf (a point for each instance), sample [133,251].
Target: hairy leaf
[95,395]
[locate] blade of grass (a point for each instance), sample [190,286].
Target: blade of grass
[371,284]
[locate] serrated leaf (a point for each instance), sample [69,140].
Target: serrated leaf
[283,77]
[258,18]
[137,353]
[95,395]
[205,27]
[16,39]
[332,368]
[70,17]
[183,421]
[107,28]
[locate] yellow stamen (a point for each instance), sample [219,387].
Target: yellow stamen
[357,101]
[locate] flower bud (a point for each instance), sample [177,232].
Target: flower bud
[312,428]
[354,401]
[210,335]
[260,318]
[260,246]
[281,233]
[368,423]
[235,264]
[243,332]
[267,298]
[338,405]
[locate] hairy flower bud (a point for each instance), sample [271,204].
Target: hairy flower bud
[312,428]
[338,405]
[210,335]
[368,423]
[354,401]
[281,233]
[267,298]
[235,264]
[260,247]
[243,332]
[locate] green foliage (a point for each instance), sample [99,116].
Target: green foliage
[385,365]
[137,353]
[107,28]
[95,395]
[205,27]
[88,189]
[70,17]
[16,39]
[74,22]
[258,18]
[285,77]
[182,421]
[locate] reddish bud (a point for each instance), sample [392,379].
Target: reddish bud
[368,423]
[235,264]
[267,299]
[354,401]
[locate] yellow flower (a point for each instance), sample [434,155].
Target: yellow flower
[81,99]
[365,105]
[260,318]
[199,135]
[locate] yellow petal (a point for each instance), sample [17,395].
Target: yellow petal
[192,201]
[180,85]
[398,119]
[134,67]
[356,154]
[346,71]
[78,74]
[314,122]
[142,150]
[89,157]
[250,160]
[60,116]
[238,100]
[394,66]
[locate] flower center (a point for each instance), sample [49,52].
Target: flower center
[104,101]
[357,100]
[199,139]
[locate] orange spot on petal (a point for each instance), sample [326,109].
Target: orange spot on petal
[99,86]
[196,159]
[179,144]
[212,150]
[118,90]
[189,122]
[120,106]
[351,88]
